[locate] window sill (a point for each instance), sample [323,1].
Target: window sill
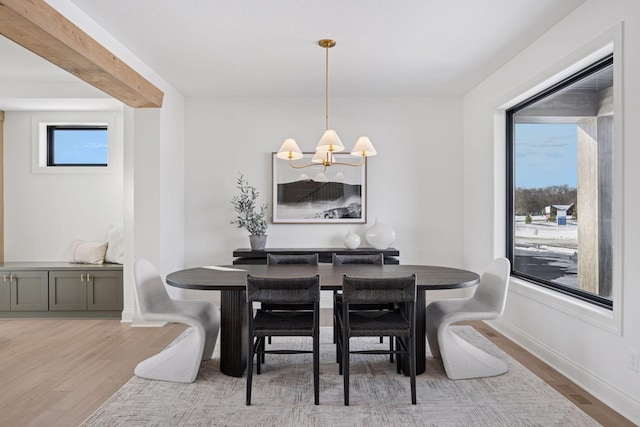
[609,320]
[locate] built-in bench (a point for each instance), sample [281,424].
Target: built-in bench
[60,290]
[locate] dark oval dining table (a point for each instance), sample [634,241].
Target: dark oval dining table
[231,282]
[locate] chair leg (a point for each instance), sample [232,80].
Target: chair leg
[335,324]
[259,346]
[412,366]
[399,358]
[262,356]
[316,367]
[345,368]
[391,349]
[339,353]
[250,354]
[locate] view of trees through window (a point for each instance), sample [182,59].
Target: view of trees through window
[560,166]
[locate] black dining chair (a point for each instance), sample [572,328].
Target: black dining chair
[278,259]
[371,259]
[286,323]
[286,259]
[398,323]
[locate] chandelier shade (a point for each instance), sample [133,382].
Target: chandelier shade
[289,150]
[330,141]
[363,147]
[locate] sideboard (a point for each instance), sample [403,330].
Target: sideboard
[250,256]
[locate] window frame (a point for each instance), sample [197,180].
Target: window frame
[597,300]
[50,144]
[112,119]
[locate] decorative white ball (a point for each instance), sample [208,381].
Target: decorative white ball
[352,240]
[381,235]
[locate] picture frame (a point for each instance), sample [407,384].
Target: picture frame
[336,194]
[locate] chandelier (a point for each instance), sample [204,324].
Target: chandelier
[330,142]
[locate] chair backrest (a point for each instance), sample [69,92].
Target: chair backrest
[310,259]
[149,287]
[367,290]
[492,289]
[283,290]
[376,259]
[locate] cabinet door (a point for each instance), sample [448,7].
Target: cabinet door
[67,291]
[5,292]
[104,290]
[29,291]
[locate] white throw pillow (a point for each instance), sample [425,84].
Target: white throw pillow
[115,249]
[88,252]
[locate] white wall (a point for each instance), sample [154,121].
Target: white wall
[45,212]
[414,183]
[584,346]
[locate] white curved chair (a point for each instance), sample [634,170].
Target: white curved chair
[180,361]
[462,360]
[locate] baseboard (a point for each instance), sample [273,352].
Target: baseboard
[618,400]
[127,316]
[137,322]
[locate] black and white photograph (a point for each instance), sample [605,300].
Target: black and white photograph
[315,194]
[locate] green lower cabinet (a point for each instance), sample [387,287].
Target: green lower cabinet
[67,291]
[104,291]
[5,293]
[28,290]
[85,290]
[60,290]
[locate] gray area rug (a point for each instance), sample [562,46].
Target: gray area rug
[283,395]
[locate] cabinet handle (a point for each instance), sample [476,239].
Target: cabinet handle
[82,277]
[88,277]
[11,277]
[5,277]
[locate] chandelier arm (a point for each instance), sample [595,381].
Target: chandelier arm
[350,164]
[326,164]
[302,166]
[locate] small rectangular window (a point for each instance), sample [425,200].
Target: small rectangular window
[76,145]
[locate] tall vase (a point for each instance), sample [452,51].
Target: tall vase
[258,242]
[381,235]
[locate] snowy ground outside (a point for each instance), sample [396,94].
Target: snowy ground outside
[547,250]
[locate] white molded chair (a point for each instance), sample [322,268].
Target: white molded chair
[462,360]
[180,361]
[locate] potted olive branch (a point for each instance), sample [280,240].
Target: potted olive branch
[255,221]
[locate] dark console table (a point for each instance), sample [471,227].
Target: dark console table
[249,256]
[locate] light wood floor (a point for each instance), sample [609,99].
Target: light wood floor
[58,372]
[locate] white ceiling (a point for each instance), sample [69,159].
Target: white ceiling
[269,47]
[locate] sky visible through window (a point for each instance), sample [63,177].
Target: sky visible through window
[81,146]
[545,155]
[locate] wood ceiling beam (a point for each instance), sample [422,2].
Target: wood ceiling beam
[41,29]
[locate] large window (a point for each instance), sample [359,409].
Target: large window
[560,186]
[77,145]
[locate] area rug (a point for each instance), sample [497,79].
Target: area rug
[283,395]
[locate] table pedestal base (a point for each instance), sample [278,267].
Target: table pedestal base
[233,328]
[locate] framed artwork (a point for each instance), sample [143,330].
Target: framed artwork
[314,195]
